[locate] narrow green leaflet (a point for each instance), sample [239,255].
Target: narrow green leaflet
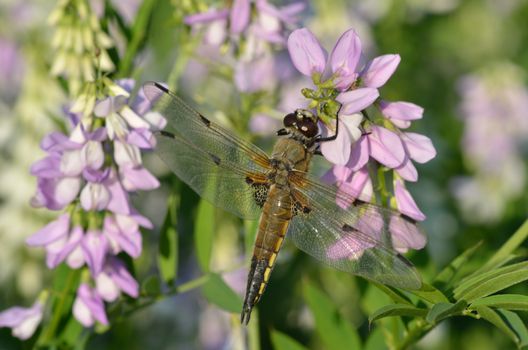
[397,310]
[220,294]
[430,294]
[469,284]
[507,248]
[504,301]
[442,311]
[507,321]
[449,274]
[65,284]
[168,243]
[283,342]
[494,285]
[392,293]
[334,331]
[204,233]
[517,325]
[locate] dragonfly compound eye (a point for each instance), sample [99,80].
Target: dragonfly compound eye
[308,127]
[290,120]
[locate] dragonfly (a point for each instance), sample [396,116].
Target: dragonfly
[235,175]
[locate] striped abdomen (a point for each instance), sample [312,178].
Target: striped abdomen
[276,215]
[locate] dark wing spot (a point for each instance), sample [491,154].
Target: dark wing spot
[358,202]
[215,158]
[404,260]
[249,180]
[408,219]
[260,193]
[206,121]
[166,134]
[298,208]
[161,87]
[348,228]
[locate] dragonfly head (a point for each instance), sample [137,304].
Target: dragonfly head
[302,121]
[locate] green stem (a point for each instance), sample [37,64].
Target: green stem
[138,35]
[415,333]
[58,311]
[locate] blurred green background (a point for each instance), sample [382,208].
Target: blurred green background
[465,62]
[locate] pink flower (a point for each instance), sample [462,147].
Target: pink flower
[338,151]
[115,278]
[306,53]
[376,72]
[406,204]
[95,247]
[386,147]
[88,307]
[22,321]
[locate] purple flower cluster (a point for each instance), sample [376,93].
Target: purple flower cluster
[494,108]
[341,79]
[91,173]
[254,31]
[268,23]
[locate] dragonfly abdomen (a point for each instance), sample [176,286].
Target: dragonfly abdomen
[276,215]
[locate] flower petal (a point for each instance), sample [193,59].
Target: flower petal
[306,53]
[359,155]
[206,17]
[137,178]
[405,235]
[95,247]
[379,70]
[401,110]
[23,321]
[386,147]
[407,170]
[405,202]
[239,16]
[345,57]
[106,287]
[419,147]
[356,100]
[51,232]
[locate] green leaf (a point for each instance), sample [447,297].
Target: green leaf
[219,293]
[517,325]
[334,331]
[168,243]
[504,301]
[510,276]
[507,321]
[474,280]
[449,274]
[203,234]
[430,294]
[250,228]
[397,310]
[442,311]
[507,248]
[283,342]
[151,286]
[395,295]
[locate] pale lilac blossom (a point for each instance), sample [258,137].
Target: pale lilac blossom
[91,173]
[22,321]
[88,307]
[114,279]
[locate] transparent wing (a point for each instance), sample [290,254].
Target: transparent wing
[222,168]
[352,235]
